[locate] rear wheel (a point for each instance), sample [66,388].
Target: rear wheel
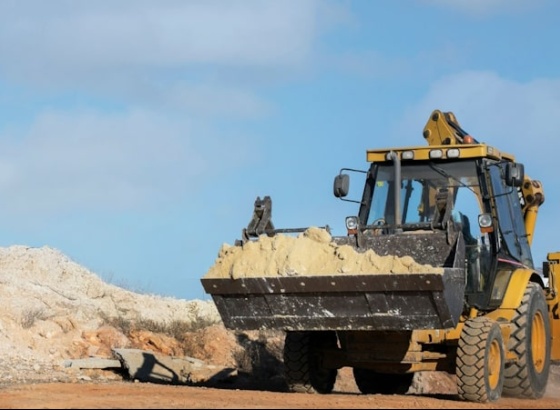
[304,372]
[372,382]
[480,361]
[530,341]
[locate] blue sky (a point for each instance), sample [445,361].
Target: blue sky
[135,135]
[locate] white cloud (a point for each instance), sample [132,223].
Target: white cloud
[189,59]
[409,68]
[192,56]
[60,40]
[93,161]
[370,63]
[207,100]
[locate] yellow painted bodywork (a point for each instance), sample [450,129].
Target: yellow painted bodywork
[443,128]
[505,313]
[423,153]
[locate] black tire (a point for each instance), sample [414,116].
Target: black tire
[372,382]
[480,361]
[531,341]
[302,364]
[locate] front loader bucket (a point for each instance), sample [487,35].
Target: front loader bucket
[392,301]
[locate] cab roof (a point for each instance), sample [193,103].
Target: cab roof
[440,152]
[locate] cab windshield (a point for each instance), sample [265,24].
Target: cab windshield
[419,187]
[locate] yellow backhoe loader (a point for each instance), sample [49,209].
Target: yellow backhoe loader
[486,313]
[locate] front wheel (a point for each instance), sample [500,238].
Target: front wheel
[480,361]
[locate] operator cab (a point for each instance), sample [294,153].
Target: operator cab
[477,197]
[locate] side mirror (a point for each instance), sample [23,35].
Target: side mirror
[341,185]
[515,173]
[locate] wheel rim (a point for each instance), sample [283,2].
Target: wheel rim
[494,364]
[538,342]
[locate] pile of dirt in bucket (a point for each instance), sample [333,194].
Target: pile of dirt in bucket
[312,252]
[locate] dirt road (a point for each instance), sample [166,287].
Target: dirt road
[103,389]
[129,395]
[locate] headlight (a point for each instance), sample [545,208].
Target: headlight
[351,223]
[485,220]
[436,153]
[453,153]
[408,155]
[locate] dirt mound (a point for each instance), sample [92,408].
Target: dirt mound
[54,309]
[43,279]
[312,252]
